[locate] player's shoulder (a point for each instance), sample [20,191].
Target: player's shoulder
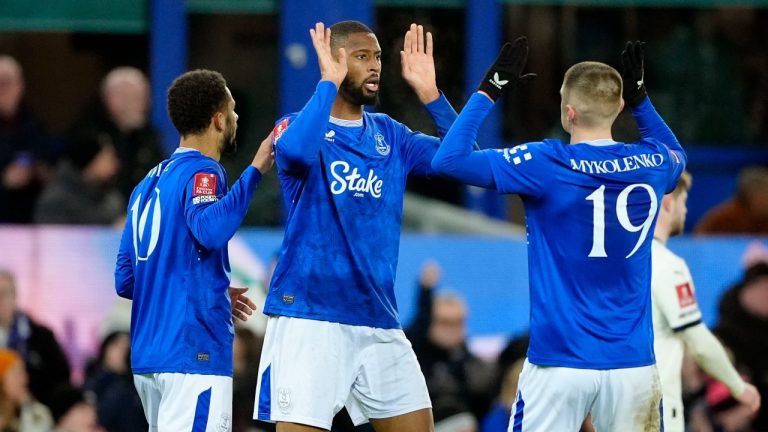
[381,119]
[664,257]
[191,162]
[287,118]
[282,124]
[524,153]
[648,144]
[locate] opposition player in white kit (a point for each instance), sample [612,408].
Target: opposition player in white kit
[590,205]
[334,336]
[677,321]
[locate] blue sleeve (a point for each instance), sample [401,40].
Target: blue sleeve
[420,149]
[124,267]
[213,218]
[442,113]
[297,145]
[651,125]
[455,158]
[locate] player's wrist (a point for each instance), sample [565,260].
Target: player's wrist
[332,80]
[482,92]
[428,96]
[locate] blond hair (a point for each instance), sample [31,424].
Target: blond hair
[594,90]
[684,184]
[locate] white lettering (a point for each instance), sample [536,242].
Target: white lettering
[629,163]
[372,184]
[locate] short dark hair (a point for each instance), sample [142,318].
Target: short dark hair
[341,31]
[194,98]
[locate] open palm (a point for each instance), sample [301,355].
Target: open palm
[332,68]
[418,64]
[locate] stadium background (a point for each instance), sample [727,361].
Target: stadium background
[707,73]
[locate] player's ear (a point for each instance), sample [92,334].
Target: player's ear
[219,121]
[621,105]
[666,202]
[570,113]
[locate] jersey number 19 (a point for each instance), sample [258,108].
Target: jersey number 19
[598,218]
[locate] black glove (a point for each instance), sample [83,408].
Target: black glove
[505,71]
[632,73]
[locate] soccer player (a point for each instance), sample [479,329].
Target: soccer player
[590,209]
[173,262]
[677,320]
[333,335]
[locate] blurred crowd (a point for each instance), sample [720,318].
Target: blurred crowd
[469,393]
[86,176]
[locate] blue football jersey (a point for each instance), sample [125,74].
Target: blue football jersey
[343,184]
[590,214]
[173,264]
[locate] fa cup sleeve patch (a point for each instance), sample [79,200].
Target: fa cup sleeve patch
[205,184]
[277,132]
[685,295]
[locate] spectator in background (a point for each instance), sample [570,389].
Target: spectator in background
[19,411]
[743,327]
[75,411]
[83,191]
[460,384]
[120,119]
[746,212]
[497,419]
[245,365]
[45,361]
[110,379]
[25,150]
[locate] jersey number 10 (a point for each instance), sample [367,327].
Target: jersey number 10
[598,218]
[140,225]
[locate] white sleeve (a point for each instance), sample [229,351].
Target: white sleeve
[674,293]
[711,356]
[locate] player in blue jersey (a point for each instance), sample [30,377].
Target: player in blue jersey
[591,206]
[333,336]
[173,262]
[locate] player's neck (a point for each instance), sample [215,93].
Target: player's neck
[579,135]
[203,143]
[341,109]
[661,234]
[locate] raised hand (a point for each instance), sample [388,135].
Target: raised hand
[418,65]
[332,67]
[506,72]
[633,72]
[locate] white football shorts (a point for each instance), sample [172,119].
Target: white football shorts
[310,369]
[176,402]
[559,399]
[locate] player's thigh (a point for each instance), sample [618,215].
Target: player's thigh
[629,400]
[194,402]
[389,382]
[414,421]
[149,393]
[305,372]
[553,398]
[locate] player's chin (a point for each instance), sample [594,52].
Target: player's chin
[370,97]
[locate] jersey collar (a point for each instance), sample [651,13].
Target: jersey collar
[346,123]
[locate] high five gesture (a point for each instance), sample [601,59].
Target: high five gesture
[418,64]
[332,68]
